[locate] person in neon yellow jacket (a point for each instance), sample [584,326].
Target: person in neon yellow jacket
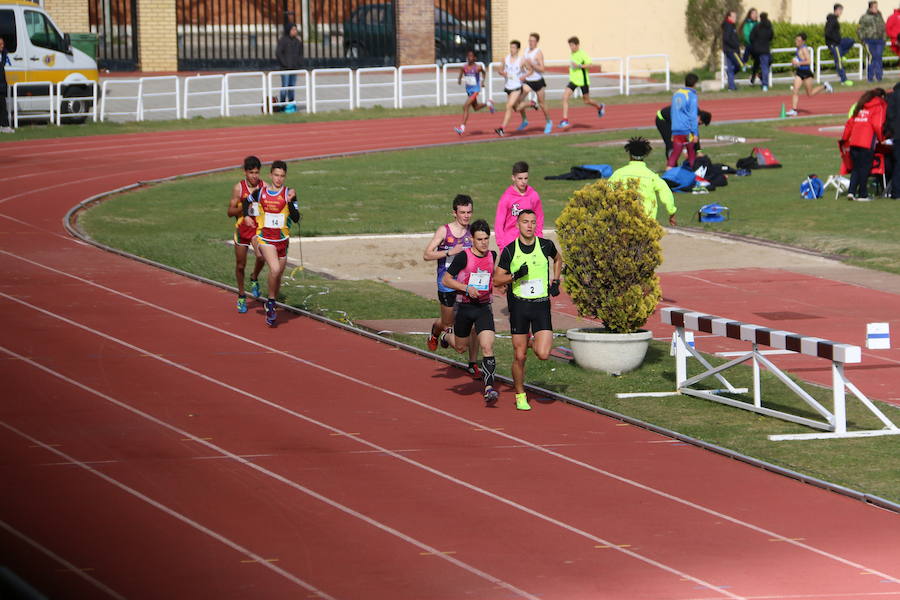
[651,186]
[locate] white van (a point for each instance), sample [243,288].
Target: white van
[39,52]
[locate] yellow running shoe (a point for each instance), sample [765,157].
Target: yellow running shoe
[522,402]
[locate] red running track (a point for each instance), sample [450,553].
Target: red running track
[152,449]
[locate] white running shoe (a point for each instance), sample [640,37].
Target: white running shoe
[828,88]
[791,113]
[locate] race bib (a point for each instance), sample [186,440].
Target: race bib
[471,80]
[274,221]
[532,288]
[480,281]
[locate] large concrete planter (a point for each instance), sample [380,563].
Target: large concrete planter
[596,349]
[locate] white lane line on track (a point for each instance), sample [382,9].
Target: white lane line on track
[69,566]
[356,438]
[158,505]
[227,454]
[762,530]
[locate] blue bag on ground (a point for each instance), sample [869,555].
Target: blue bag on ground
[812,187]
[679,179]
[712,213]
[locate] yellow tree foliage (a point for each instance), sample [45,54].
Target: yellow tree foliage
[612,250]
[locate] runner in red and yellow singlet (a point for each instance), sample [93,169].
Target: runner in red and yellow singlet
[274,204]
[244,230]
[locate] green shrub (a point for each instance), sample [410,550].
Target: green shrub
[784,34]
[612,250]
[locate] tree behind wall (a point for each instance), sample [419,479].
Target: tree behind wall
[703,25]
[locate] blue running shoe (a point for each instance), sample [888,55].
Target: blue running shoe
[459,130]
[548,127]
[490,105]
[522,126]
[254,288]
[490,396]
[563,124]
[602,110]
[242,304]
[271,317]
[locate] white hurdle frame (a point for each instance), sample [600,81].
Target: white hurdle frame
[629,71]
[188,94]
[835,424]
[34,116]
[226,91]
[325,72]
[434,69]
[59,100]
[276,89]
[360,73]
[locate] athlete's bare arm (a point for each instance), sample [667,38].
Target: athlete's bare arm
[234,205]
[431,252]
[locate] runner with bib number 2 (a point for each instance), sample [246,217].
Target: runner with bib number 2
[531,265]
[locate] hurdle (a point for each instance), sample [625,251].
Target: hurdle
[835,424]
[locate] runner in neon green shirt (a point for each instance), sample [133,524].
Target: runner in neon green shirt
[651,186]
[579,62]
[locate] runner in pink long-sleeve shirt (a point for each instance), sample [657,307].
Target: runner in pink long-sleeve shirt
[514,200]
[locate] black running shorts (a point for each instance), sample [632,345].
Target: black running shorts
[468,314]
[447,299]
[585,89]
[537,84]
[526,316]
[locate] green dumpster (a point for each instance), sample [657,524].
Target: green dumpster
[86,42]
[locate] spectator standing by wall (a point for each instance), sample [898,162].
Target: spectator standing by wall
[863,130]
[871,34]
[747,27]
[837,45]
[731,47]
[289,53]
[761,47]
[4,113]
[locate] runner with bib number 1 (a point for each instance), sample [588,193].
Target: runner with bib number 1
[273,204]
[531,265]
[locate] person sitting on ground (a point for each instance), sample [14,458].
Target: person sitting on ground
[650,186]
[861,133]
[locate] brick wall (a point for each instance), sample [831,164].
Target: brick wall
[157,36]
[500,29]
[69,15]
[415,31]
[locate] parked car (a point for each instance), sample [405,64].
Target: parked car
[369,33]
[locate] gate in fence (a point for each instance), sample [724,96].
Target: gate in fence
[460,25]
[115,23]
[238,34]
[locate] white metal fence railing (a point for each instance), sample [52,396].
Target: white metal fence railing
[824,58]
[331,74]
[107,98]
[90,111]
[218,104]
[224,94]
[251,95]
[37,113]
[154,94]
[291,93]
[648,71]
[427,86]
[385,84]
